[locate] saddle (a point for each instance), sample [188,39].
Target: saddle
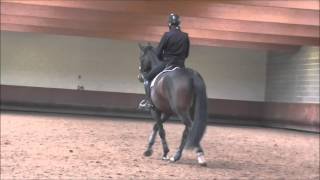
[167,69]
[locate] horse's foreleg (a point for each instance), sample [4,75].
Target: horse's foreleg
[152,138]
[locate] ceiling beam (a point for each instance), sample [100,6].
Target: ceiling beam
[239,44]
[158,20]
[296,4]
[143,37]
[157,30]
[205,9]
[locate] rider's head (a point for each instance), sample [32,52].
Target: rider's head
[174,20]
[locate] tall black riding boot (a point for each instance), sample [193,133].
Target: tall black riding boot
[146,103]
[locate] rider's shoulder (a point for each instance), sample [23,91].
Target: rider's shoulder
[186,34]
[165,34]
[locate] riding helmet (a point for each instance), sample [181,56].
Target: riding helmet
[174,19]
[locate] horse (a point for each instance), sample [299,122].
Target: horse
[180,92]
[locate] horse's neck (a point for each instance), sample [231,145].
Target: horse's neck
[154,65]
[154,61]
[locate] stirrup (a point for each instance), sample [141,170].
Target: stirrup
[145,105]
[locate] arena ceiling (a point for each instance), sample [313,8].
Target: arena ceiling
[254,24]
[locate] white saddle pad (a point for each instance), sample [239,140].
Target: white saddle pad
[166,70]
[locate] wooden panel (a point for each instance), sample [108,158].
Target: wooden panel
[297,4]
[212,23]
[65,97]
[294,112]
[143,37]
[188,22]
[239,44]
[235,109]
[194,9]
[77,32]
[263,113]
[159,20]
[157,30]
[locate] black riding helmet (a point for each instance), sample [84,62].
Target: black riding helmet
[174,19]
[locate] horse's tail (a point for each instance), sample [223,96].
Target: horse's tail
[199,112]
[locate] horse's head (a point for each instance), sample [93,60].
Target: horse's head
[147,58]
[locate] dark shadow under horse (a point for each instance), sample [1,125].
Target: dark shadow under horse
[179,92]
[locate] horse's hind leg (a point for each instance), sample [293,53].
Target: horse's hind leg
[187,122]
[178,154]
[200,156]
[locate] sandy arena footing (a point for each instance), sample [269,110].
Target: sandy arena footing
[53,146]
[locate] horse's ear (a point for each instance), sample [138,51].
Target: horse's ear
[141,47]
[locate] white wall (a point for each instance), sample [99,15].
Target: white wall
[41,60]
[231,73]
[293,77]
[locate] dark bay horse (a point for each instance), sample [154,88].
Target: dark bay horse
[180,92]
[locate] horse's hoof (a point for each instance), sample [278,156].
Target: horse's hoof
[165,158]
[203,164]
[148,153]
[201,159]
[172,159]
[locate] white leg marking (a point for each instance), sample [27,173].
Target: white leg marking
[165,157]
[172,159]
[201,159]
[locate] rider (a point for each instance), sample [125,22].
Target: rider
[173,49]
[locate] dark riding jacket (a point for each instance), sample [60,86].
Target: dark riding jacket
[173,50]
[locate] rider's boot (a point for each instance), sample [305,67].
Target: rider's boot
[146,104]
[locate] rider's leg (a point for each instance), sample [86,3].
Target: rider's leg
[147,89]
[146,103]
[148,93]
